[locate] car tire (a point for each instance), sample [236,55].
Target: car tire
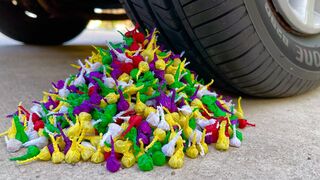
[43,30]
[239,43]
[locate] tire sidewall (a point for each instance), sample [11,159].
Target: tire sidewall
[296,54]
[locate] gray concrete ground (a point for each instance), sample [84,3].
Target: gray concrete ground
[284,145]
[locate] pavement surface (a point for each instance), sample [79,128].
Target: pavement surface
[285,144]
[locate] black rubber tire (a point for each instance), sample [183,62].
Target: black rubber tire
[235,42]
[43,30]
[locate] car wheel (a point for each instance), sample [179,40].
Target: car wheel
[29,28]
[250,47]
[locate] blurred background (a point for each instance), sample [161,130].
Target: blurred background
[96,33]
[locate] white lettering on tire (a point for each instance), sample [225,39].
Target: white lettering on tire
[276,26]
[308,56]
